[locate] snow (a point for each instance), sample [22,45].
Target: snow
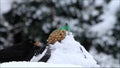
[41,10]
[70,51]
[85,16]
[86,3]
[105,60]
[34,64]
[108,40]
[64,2]
[95,13]
[99,2]
[108,17]
[5,5]
[46,27]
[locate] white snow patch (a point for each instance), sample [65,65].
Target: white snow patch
[99,2]
[5,6]
[86,3]
[94,13]
[34,64]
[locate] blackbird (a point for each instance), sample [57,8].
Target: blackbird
[21,52]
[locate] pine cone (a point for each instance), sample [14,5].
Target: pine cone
[57,35]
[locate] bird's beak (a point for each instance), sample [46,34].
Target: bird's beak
[37,43]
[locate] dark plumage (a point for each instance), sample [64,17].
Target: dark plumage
[42,54]
[21,52]
[46,56]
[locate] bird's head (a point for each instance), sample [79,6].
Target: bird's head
[33,42]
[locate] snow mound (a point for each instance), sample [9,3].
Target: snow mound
[33,64]
[69,51]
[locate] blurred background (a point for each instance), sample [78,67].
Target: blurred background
[94,23]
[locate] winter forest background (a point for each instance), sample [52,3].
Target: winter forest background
[94,23]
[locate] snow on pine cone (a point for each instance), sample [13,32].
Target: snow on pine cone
[56,35]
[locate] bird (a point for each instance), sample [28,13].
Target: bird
[21,52]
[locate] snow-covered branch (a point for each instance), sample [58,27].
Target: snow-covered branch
[108,18]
